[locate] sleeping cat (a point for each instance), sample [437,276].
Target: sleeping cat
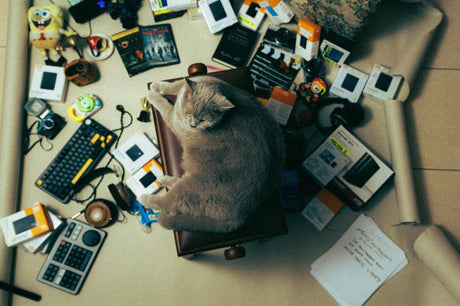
[232,160]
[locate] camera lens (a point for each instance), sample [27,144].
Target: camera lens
[48,124]
[80,67]
[282,36]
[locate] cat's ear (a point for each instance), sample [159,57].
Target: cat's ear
[224,104]
[191,84]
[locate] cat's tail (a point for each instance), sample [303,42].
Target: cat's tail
[198,223]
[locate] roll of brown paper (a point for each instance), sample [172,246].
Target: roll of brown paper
[433,248]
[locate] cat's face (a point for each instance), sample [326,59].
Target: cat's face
[201,106]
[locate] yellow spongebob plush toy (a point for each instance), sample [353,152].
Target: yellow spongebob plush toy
[46,27]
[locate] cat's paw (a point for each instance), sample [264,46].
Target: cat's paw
[155,98]
[167,181]
[159,87]
[147,200]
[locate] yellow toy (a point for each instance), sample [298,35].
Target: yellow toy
[46,27]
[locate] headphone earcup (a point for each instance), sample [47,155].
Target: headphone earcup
[351,114]
[122,195]
[101,213]
[340,116]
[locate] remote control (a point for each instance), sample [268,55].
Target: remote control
[72,256]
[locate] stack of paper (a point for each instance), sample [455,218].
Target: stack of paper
[358,263]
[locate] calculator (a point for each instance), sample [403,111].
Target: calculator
[72,256]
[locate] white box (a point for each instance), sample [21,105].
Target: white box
[353,182]
[333,53]
[382,86]
[38,243]
[349,83]
[218,14]
[134,153]
[250,15]
[278,11]
[26,224]
[48,83]
[144,181]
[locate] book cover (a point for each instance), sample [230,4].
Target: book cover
[235,46]
[145,47]
[159,45]
[130,48]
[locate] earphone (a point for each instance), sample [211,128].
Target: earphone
[349,114]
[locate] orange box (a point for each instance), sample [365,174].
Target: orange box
[322,208]
[26,224]
[281,103]
[307,39]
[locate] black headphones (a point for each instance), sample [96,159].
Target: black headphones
[349,114]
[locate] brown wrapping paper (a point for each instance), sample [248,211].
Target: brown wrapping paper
[433,248]
[394,112]
[14,95]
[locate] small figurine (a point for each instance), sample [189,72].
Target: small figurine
[46,27]
[311,92]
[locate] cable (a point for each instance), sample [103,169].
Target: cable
[122,127]
[26,147]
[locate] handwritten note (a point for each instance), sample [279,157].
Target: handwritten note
[358,263]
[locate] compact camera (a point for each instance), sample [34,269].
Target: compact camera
[51,124]
[280,37]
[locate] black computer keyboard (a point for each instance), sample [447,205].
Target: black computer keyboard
[79,156]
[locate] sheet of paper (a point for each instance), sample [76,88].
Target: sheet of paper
[358,263]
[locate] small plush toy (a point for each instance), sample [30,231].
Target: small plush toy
[46,28]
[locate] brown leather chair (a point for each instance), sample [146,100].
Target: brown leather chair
[268,222]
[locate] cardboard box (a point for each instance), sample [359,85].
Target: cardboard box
[250,15]
[322,208]
[36,244]
[48,83]
[134,153]
[347,168]
[26,224]
[280,104]
[218,14]
[382,86]
[307,39]
[145,181]
[278,11]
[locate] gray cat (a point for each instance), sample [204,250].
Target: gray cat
[232,160]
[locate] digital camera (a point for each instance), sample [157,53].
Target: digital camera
[280,37]
[51,124]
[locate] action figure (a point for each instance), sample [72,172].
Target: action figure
[311,92]
[46,27]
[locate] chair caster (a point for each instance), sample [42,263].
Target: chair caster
[234,252]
